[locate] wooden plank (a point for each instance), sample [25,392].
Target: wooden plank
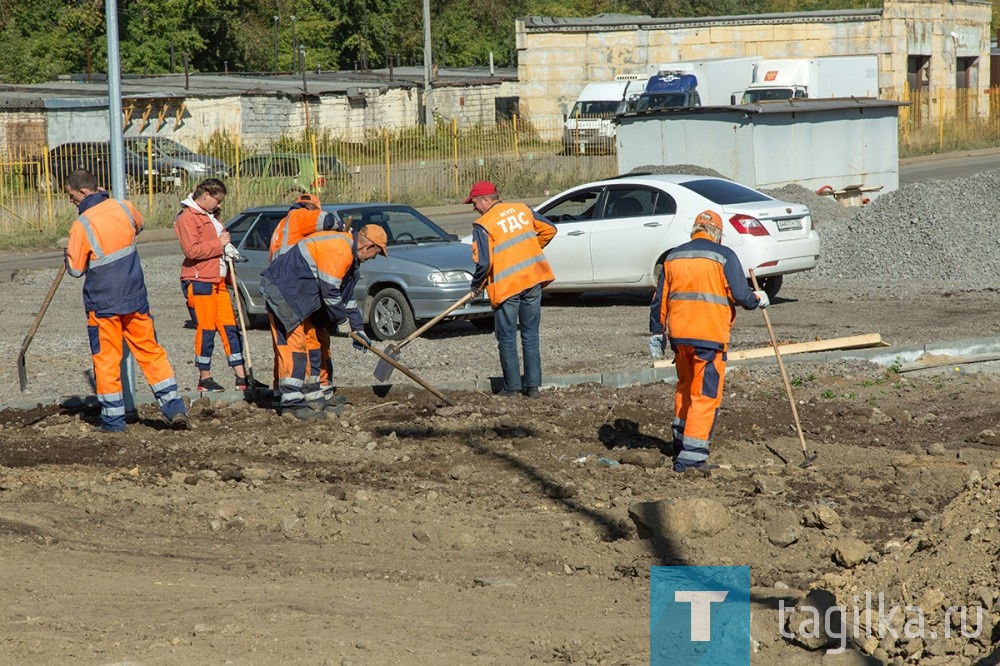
[933,361]
[850,342]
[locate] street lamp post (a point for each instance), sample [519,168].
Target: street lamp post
[275,44]
[295,46]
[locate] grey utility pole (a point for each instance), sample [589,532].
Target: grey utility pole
[117,146]
[428,64]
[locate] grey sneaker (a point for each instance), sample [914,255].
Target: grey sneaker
[532,393]
[506,393]
[180,421]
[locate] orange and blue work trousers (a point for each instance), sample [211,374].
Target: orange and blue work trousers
[106,334]
[700,373]
[214,313]
[320,361]
[296,387]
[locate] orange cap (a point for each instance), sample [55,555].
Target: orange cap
[376,234]
[305,197]
[709,218]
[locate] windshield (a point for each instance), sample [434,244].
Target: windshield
[595,109]
[652,102]
[724,192]
[766,95]
[403,225]
[171,147]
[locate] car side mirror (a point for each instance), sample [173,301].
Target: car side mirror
[454,237]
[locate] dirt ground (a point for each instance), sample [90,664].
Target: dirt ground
[496,531]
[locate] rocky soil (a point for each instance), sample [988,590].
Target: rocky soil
[505,531]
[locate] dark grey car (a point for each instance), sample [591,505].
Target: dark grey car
[426,270]
[190,166]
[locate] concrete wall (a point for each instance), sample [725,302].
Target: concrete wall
[21,131]
[555,63]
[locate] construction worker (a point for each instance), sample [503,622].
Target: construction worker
[507,242]
[306,217]
[204,275]
[694,305]
[317,274]
[102,248]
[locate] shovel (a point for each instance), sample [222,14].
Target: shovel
[247,365]
[402,368]
[22,369]
[383,370]
[809,459]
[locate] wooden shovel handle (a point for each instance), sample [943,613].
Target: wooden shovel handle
[423,329]
[399,366]
[781,367]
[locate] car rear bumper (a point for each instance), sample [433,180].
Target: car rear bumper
[782,258]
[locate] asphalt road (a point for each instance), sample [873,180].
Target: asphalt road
[458,219]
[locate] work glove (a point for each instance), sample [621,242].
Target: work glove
[232,252]
[656,345]
[357,345]
[764,301]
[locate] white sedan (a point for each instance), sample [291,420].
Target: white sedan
[614,234]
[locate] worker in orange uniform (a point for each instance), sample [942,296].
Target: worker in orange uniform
[102,249]
[694,304]
[318,273]
[205,278]
[507,242]
[306,217]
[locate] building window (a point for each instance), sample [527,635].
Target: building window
[965,72]
[918,72]
[506,108]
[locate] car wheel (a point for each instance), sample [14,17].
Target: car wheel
[484,323]
[390,316]
[771,284]
[250,320]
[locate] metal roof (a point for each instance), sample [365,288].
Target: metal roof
[782,106]
[630,21]
[76,92]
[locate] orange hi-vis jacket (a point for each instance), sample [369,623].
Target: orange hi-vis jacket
[701,283]
[318,273]
[102,247]
[515,236]
[299,223]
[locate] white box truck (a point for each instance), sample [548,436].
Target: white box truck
[590,125]
[707,82]
[825,76]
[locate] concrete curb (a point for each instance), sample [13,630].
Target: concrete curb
[883,356]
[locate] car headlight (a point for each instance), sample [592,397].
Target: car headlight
[444,277]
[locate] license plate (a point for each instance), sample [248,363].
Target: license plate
[789,225]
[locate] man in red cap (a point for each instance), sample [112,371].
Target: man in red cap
[701,283]
[306,217]
[318,274]
[507,242]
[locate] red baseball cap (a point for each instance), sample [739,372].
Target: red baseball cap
[481,188]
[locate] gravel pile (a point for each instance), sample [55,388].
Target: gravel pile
[931,232]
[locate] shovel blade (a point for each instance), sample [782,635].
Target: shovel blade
[383,369]
[22,373]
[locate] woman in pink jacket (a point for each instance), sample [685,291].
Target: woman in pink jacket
[204,277]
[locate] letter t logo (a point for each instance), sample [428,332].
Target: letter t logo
[701,610]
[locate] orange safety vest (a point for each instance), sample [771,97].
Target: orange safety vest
[697,304]
[515,247]
[295,226]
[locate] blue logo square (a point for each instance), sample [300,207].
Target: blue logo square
[699,616]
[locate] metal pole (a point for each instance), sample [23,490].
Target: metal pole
[275,39]
[302,58]
[428,63]
[116,127]
[295,46]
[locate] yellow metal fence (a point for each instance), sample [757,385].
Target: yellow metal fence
[407,166]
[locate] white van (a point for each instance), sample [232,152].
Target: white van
[590,126]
